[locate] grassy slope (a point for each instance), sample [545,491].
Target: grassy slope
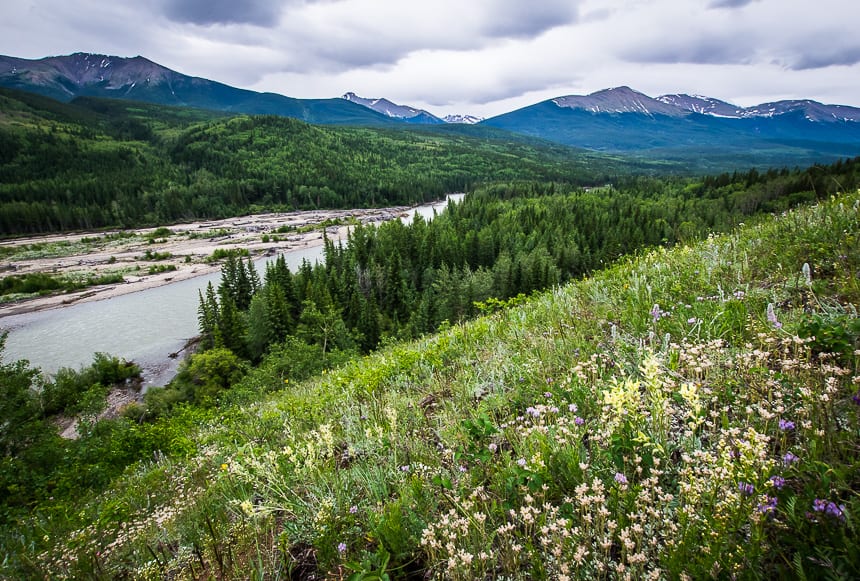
[627,423]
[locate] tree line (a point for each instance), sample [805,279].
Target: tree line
[400,281]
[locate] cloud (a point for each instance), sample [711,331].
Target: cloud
[730,3]
[207,12]
[826,55]
[518,19]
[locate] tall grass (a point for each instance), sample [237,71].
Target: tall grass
[672,417]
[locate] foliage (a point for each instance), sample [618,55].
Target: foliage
[502,241]
[659,418]
[78,166]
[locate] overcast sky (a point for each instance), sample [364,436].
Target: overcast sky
[480,57]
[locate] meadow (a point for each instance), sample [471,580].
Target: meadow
[683,414]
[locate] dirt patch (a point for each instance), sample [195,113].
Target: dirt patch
[117,399]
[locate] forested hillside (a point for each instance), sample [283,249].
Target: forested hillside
[683,413]
[99,163]
[502,241]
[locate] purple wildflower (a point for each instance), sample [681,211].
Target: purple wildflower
[533,412]
[856,398]
[404,468]
[493,447]
[353,509]
[578,421]
[746,488]
[547,394]
[829,508]
[341,547]
[620,478]
[463,469]
[788,459]
[572,408]
[786,425]
[769,506]
[657,313]
[521,462]
[771,316]
[777,481]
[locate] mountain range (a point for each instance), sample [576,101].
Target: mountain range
[612,120]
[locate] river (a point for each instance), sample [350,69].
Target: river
[145,327]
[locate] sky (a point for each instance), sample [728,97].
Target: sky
[478,57]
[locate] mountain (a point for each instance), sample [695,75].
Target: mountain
[462,119]
[684,127]
[67,77]
[811,110]
[393,110]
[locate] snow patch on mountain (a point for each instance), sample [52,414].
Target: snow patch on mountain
[464,119]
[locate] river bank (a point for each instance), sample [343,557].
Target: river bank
[151,257]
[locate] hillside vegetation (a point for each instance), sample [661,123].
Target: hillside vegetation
[99,163]
[684,413]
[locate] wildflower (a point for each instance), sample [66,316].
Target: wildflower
[404,468]
[856,398]
[771,316]
[693,321]
[788,459]
[341,547]
[547,394]
[535,413]
[620,478]
[786,425]
[657,313]
[777,481]
[746,488]
[572,408]
[829,508]
[578,421]
[521,462]
[739,294]
[353,509]
[463,469]
[493,447]
[223,466]
[769,506]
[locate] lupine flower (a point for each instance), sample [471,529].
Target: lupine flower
[786,425]
[777,481]
[829,508]
[769,506]
[746,488]
[788,459]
